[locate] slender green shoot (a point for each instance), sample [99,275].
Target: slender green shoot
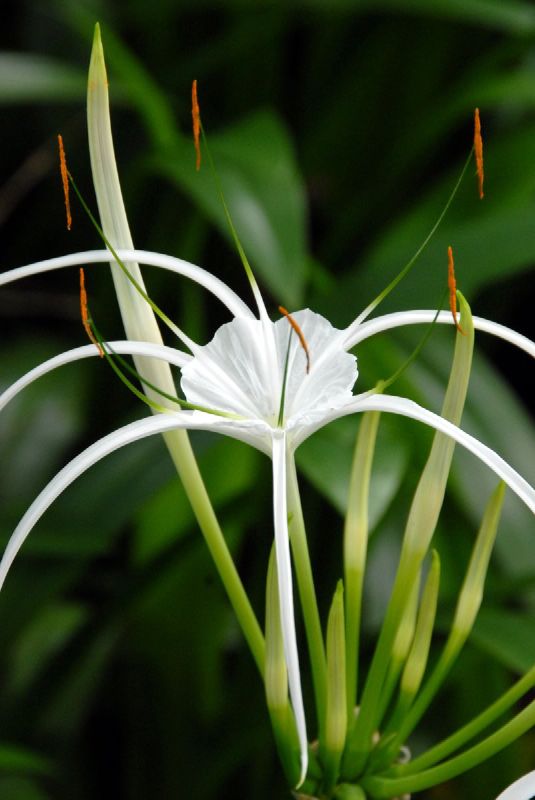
[232,228]
[307,595]
[280,419]
[469,731]
[276,680]
[385,787]
[466,611]
[336,721]
[417,350]
[139,289]
[411,262]
[355,546]
[121,366]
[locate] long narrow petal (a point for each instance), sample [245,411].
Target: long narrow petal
[169,354]
[357,333]
[197,274]
[251,433]
[284,571]
[407,408]
[522,789]
[138,317]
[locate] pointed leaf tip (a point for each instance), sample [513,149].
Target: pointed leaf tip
[97,65]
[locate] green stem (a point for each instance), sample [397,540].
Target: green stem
[379,787]
[409,265]
[184,459]
[355,547]
[360,742]
[307,594]
[470,730]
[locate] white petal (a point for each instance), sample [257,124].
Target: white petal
[168,354]
[230,371]
[254,434]
[231,300]
[357,333]
[522,789]
[284,570]
[333,372]
[407,408]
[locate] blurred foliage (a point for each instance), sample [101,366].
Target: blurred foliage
[338,129]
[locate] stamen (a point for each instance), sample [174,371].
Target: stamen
[478,148]
[86,319]
[64,180]
[299,333]
[452,287]
[196,115]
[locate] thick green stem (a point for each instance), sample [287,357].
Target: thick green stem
[184,459]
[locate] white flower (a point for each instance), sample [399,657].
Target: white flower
[241,373]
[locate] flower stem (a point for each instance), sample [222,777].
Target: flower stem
[355,546]
[380,787]
[184,460]
[471,729]
[307,594]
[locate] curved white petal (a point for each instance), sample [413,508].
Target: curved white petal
[284,572]
[255,434]
[407,408]
[357,333]
[168,354]
[522,789]
[333,372]
[201,276]
[231,371]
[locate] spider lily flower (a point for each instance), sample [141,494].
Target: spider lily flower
[241,374]
[260,383]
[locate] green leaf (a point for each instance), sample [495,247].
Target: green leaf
[513,16]
[19,760]
[507,637]
[264,193]
[21,789]
[29,78]
[45,636]
[325,459]
[229,469]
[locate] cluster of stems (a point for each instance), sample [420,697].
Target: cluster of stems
[363,729]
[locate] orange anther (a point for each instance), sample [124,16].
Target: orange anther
[85,314]
[196,115]
[452,286]
[64,180]
[478,149]
[299,332]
